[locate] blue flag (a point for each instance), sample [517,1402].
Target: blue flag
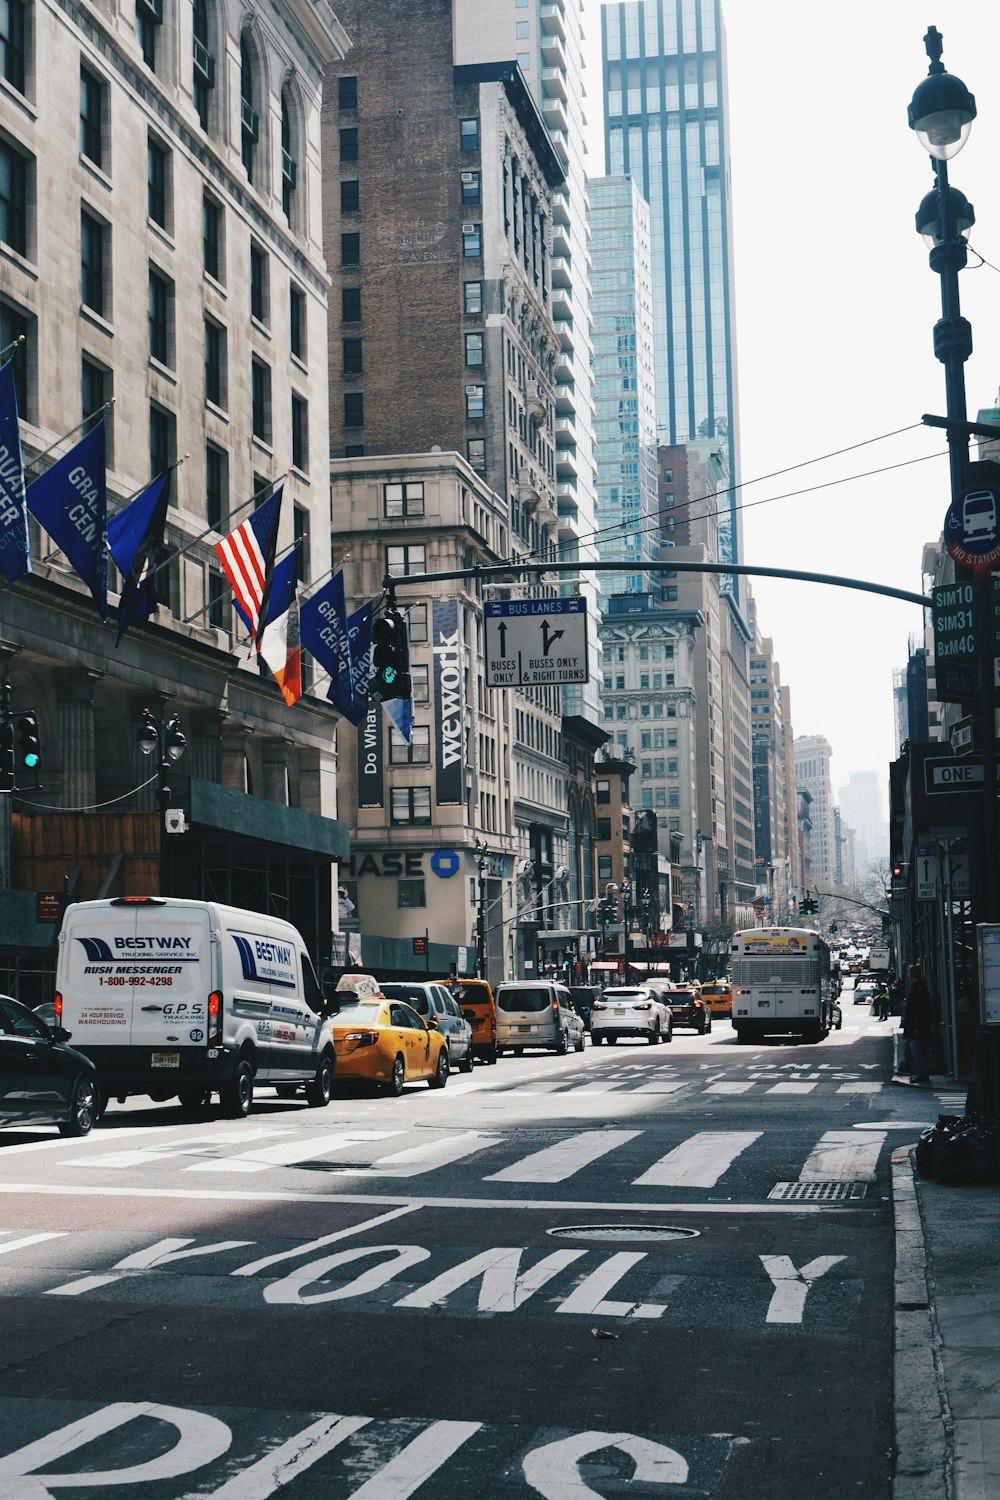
[359,632]
[71,501]
[135,540]
[339,645]
[15,560]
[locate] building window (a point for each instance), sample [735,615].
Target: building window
[14,325]
[95,389]
[347,93]
[604,867]
[211,237]
[403,499]
[472,243]
[475,402]
[215,363]
[13,199]
[148,19]
[260,400]
[475,452]
[216,488]
[162,440]
[289,161]
[157,183]
[419,681]
[300,539]
[349,143]
[471,187]
[472,297]
[300,434]
[259,287]
[92,95]
[350,304]
[352,356]
[249,118]
[416,626]
[410,804]
[473,348]
[402,561]
[93,263]
[354,409]
[603,792]
[13,51]
[203,62]
[603,830]
[409,894]
[354,450]
[670,592]
[469,134]
[350,249]
[350,196]
[297,342]
[416,753]
[161,310]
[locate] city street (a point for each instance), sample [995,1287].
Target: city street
[649,1271]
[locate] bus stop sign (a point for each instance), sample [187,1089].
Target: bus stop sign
[972,521]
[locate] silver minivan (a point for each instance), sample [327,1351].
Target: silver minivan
[537,1013]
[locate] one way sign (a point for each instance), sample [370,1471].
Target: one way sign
[535,642]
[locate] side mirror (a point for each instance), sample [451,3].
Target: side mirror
[432,1023]
[60,1034]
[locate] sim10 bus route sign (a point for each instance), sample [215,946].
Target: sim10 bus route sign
[535,642]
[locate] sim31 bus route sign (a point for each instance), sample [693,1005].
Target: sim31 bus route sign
[535,642]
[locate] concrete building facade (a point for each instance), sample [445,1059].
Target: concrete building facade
[813,755]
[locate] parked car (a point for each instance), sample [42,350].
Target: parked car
[42,1080]
[439,1008]
[584,996]
[384,1042]
[537,1013]
[689,1009]
[635,1010]
[475,1000]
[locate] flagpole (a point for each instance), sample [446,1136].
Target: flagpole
[210,530]
[307,589]
[8,348]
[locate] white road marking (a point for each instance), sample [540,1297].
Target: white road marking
[162,1151]
[590,1297]
[699,1161]
[670,1086]
[504,1285]
[791,1286]
[308,1148]
[284,1463]
[553,1470]
[556,1163]
[50,1143]
[791,1088]
[327,1239]
[411,1468]
[418,1159]
[162,1253]
[603,1087]
[841,1155]
[29,1239]
[860,1088]
[729,1087]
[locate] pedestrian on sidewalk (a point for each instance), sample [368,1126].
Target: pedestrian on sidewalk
[882,1003]
[918,1023]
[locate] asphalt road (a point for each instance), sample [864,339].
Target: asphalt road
[636,1272]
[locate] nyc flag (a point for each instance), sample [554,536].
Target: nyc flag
[135,541]
[247,557]
[71,501]
[15,560]
[279,639]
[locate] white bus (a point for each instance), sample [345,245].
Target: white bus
[781,984]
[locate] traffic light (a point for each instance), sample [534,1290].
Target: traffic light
[390,658]
[29,749]
[6,748]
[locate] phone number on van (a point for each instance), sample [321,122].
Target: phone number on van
[136,979]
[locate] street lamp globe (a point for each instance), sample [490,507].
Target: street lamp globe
[148,736]
[942,109]
[929,217]
[175,740]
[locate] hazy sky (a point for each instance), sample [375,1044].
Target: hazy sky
[836,305]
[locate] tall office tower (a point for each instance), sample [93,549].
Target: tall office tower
[544,37]
[665,126]
[163,272]
[771,789]
[791,806]
[812,772]
[867,811]
[625,411]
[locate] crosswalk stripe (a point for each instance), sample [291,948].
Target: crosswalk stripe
[843,1155]
[860,1088]
[417,1159]
[604,1087]
[729,1087]
[145,1155]
[699,1161]
[790,1087]
[289,1153]
[556,1163]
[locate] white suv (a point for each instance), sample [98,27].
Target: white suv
[633,1010]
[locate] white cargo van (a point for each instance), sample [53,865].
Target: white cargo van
[177,998]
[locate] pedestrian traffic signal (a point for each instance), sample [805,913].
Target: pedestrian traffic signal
[29,750]
[390,658]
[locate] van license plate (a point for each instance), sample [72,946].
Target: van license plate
[526,1028]
[165,1060]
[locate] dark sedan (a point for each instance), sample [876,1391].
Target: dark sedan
[42,1081]
[689,1009]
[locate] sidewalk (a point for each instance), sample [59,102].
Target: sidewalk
[947,1331]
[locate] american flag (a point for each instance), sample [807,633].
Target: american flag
[247,557]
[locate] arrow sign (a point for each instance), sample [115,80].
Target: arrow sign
[535,642]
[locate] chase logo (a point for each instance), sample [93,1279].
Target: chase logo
[97,950]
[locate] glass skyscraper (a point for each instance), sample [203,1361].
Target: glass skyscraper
[664,75]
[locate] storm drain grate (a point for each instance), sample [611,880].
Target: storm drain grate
[819,1192]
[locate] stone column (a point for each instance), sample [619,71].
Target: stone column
[233,757]
[204,754]
[275,787]
[75,736]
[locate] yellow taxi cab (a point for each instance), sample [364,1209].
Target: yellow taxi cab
[718,996]
[476,1002]
[385,1042]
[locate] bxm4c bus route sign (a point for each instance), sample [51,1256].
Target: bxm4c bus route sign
[535,642]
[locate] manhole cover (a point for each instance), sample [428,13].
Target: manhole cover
[623,1232]
[819,1192]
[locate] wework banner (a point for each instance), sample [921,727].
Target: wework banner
[449,706]
[371,791]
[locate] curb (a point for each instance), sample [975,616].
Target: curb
[922,1418]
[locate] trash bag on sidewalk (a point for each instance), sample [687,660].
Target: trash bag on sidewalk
[958,1150]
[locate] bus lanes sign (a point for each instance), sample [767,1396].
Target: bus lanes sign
[535,642]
